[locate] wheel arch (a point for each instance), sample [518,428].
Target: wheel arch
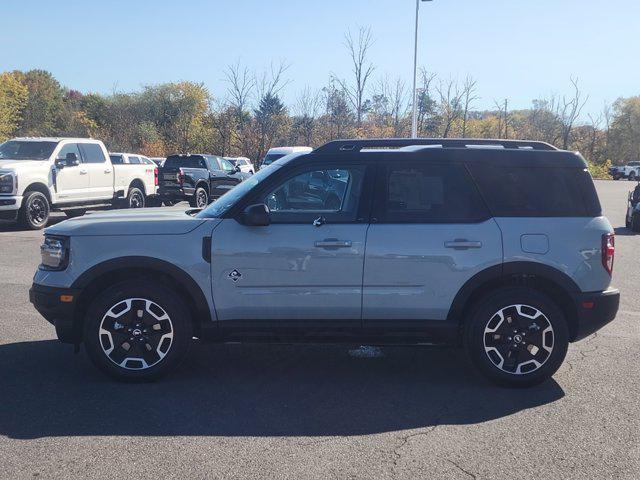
[39,187]
[202,183]
[552,282]
[107,273]
[137,183]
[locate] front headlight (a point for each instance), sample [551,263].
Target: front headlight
[8,182]
[55,253]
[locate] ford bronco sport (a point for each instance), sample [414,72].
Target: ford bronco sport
[499,246]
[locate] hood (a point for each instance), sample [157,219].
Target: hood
[18,164]
[144,221]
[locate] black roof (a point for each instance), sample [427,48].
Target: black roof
[497,152]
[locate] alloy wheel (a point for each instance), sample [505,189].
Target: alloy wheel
[518,339]
[136,334]
[201,198]
[38,211]
[136,200]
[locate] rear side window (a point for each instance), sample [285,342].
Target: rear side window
[192,161]
[427,193]
[116,159]
[537,192]
[134,160]
[92,153]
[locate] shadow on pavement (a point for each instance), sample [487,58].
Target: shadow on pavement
[11,226]
[252,390]
[624,232]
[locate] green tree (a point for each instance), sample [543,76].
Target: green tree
[44,111]
[13,98]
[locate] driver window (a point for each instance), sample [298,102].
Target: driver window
[69,148]
[226,165]
[330,193]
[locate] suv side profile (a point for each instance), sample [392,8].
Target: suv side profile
[495,245]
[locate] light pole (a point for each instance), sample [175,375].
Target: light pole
[414,114]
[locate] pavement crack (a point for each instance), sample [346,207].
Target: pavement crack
[462,469]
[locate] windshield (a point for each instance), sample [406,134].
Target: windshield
[228,200]
[269,158]
[26,150]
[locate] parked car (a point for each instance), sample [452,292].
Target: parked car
[38,175]
[632,218]
[151,197]
[502,249]
[243,163]
[275,153]
[629,171]
[199,179]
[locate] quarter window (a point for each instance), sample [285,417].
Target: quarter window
[427,193]
[92,153]
[134,160]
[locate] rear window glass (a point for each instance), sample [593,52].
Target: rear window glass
[424,193]
[116,159]
[537,192]
[192,161]
[272,157]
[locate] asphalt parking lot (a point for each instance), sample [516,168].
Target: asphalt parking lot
[238,411]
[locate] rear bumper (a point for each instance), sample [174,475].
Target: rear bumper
[61,315]
[594,311]
[175,192]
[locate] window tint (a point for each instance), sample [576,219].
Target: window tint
[269,158]
[69,148]
[334,194]
[537,192]
[116,159]
[192,161]
[212,163]
[427,193]
[134,160]
[92,153]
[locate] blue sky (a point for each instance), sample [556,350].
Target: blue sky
[516,49]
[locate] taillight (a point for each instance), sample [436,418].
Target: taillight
[155,176]
[608,251]
[180,177]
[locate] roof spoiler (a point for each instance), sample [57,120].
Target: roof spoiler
[343,146]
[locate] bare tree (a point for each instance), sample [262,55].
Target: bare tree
[450,105]
[469,94]
[307,109]
[426,104]
[503,118]
[569,111]
[272,80]
[241,86]
[362,69]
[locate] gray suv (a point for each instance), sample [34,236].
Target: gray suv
[498,246]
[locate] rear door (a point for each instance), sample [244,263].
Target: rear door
[303,269]
[430,233]
[72,182]
[100,171]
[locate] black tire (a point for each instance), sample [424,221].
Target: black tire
[75,213]
[632,176]
[135,198]
[133,338]
[200,198]
[635,222]
[501,350]
[35,210]
[627,222]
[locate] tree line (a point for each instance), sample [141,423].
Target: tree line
[250,116]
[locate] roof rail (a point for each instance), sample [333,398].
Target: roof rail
[338,146]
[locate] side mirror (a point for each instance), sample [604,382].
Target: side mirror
[236,169]
[257,215]
[71,160]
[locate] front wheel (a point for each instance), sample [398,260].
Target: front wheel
[517,337]
[35,210]
[137,331]
[635,222]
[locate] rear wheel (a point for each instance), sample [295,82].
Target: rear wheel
[200,198]
[35,211]
[635,222]
[135,198]
[137,331]
[517,337]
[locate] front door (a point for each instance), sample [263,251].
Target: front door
[226,176]
[305,268]
[430,233]
[71,182]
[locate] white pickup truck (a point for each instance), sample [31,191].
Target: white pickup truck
[630,171]
[38,175]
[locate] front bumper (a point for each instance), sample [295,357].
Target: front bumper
[10,203]
[62,315]
[594,311]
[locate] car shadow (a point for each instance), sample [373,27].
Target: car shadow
[624,232]
[13,226]
[253,390]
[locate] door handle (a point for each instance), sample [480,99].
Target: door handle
[462,244]
[83,172]
[333,243]
[108,170]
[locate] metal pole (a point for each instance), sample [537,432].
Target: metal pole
[414,115]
